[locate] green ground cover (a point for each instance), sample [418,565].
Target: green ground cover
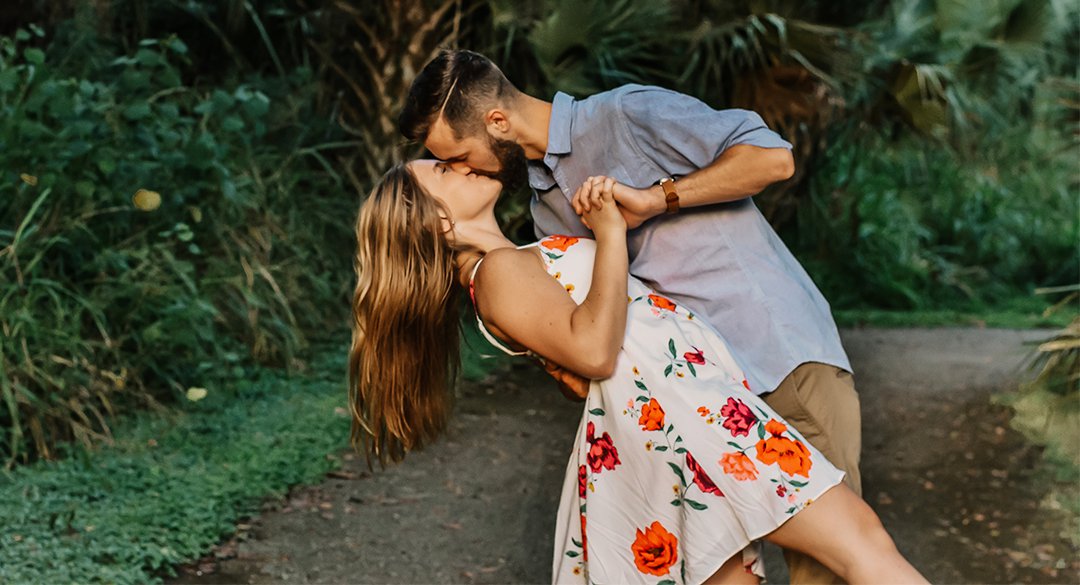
[171,484]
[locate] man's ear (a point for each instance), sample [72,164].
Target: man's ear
[497,122]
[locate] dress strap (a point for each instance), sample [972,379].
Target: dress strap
[480,323]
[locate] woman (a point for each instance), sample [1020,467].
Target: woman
[677,468]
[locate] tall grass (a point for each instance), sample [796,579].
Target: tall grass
[153,235]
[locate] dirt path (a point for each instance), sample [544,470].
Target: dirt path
[954,485]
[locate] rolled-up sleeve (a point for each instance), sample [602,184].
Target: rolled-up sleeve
[681,133]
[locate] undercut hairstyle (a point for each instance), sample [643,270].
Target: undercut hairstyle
[461,86]
[404,356]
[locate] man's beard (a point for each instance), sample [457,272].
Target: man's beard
[513,170]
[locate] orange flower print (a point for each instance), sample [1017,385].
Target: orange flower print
[584,541]
[792,456]
[739,466]
[652,416]
[662,303]
[558,242]
[655,550]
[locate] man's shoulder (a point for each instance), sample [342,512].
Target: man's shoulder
[631,90]
[633,102]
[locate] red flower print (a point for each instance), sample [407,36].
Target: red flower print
[655,550]
[738,465]
[582,480]
[792,456]
[602,452]
[558,242]
[652,416]
[701,479]
[781,491]
[738,418]
[695,357]
[661,303]
[584,541]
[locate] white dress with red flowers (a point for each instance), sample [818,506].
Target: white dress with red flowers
[677,466]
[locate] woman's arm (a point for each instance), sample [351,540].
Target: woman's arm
[520,300]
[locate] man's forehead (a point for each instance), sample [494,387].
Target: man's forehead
[440,140]
[442,143]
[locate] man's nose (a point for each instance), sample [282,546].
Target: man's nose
[461,168]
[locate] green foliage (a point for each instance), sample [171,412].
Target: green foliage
[246,255]
[892,225]
[1013,314]
[171,485]
[586,47]
[1047,408]
[963,71]
[104,304]
[479,358]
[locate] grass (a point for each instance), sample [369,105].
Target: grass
[1018,313]
[171,484]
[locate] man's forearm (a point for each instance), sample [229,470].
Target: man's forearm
[741,171]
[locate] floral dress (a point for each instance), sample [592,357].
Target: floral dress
[676,466]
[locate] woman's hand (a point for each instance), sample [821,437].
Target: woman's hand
[636,205]
[595,202]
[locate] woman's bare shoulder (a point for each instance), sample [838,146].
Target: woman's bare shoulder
[510,278]
[508,264]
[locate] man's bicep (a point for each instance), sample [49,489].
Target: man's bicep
[680,133]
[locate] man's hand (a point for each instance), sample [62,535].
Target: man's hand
[636,205]
[573,386]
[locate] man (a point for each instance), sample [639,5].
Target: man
[686,175]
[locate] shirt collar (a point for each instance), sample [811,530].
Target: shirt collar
[559,126]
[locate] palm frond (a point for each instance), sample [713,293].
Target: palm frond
[586,47]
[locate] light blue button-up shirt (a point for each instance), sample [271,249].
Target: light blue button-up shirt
[723,261]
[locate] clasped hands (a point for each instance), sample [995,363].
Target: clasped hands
[636,206]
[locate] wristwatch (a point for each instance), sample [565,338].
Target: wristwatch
[671,194]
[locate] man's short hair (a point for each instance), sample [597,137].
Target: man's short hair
[460,85]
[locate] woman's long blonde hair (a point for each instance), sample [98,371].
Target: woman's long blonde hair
[404,355]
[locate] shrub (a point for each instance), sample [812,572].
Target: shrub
[894,224]
[153,235]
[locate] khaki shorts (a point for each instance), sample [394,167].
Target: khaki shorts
[820,401]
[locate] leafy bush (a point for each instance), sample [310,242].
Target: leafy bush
[891,224]
[153,235]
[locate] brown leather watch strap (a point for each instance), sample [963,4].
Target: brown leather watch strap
[671,194]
